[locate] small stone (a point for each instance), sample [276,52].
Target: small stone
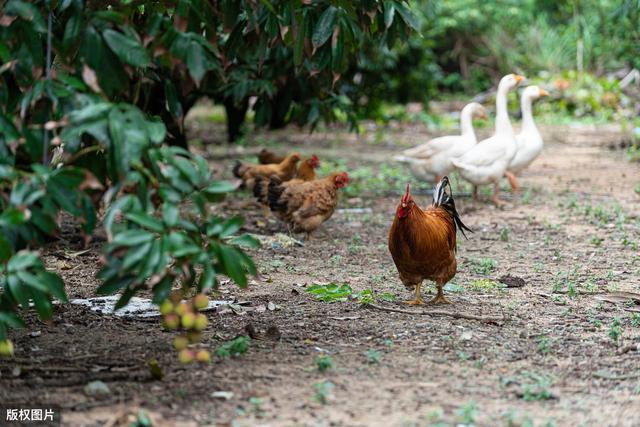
[97,389]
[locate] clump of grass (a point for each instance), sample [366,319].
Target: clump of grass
[635,320]
[544,344]
[538,388]
[485,285]
[466,414]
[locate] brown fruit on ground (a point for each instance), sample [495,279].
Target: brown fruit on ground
[182,309]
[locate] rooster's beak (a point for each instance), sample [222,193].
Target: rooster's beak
[404,205]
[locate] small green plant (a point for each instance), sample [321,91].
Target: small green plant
[537,388]
[635,320]
[483,265]
[466,414]
[485,285]
[504,234]
[323,391]
[615,330]
[233,348]
[331,293]
[596,241]
[544,344]
[324,363]
[373,356]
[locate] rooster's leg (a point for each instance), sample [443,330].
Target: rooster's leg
[439,298]
[496,192]
[475,193]
[515,187]
[418,300]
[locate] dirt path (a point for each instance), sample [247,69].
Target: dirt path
[558,357]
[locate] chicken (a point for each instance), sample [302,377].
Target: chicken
[423,242]
[285,170]
[306,172]
[306,205]
[266,157]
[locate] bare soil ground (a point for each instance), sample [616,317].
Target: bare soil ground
[558,356]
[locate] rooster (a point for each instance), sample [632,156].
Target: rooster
[306,205]
[266,157]
[285,170]
[306,172]
[423,242]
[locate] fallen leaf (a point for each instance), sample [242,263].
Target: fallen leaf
[90,78]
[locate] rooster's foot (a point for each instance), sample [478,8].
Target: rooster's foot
[439,299]
[419,301]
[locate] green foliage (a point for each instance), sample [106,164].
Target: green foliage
[93,131]
[536,386]
[615,330]
[483,265]
[323,391]
[332,292]
[324,363]
[373,356]
[233,348]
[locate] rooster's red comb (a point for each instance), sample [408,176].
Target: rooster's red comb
[406,196]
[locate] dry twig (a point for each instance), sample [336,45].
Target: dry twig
[485,319]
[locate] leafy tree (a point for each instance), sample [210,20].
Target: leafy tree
[91,92]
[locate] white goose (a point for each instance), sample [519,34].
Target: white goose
[432,160]
[529,141]
[488,160]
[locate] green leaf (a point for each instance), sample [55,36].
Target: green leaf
[389,11]
[23,260]
[135,254]
[127,48]
[11,320]
[28,12]
[19,292]
[32,281]
[220,187]
[170,213]
[207,278]
[124,299]
[8,129]
[298,49]
[407,15]
[55,285]
[6,250]
[43,305]
[146,221]
[231,262]
[324,27]
[13,216]
[231,226]
[171,96]
[246,240]
[162,289]
[132,238]
[113,285]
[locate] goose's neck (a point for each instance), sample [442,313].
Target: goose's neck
[527,115]
[503,125]
[466,124]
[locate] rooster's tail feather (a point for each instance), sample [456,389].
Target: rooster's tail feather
[274,192]
[444,199]
[261,189]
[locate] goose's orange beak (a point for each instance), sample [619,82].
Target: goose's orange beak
[544,92]
[519,79]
